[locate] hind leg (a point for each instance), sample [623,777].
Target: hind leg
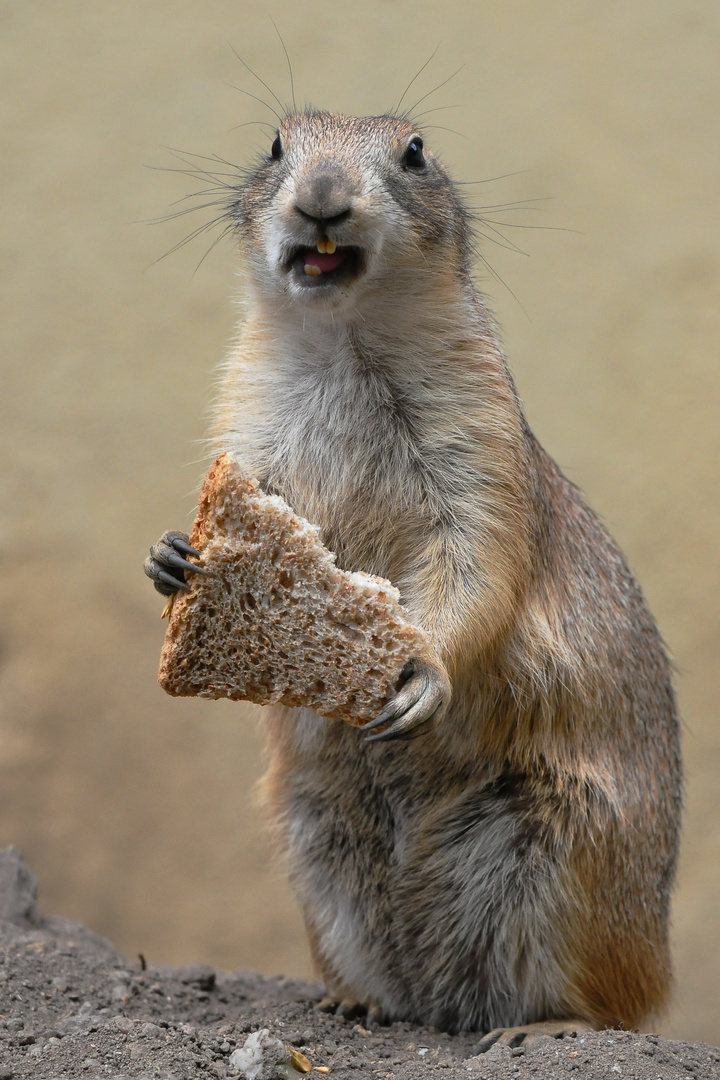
[339,1000]
[517,909]
[484,907]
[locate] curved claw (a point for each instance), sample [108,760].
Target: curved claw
[422,699]
[177,560]
[180,545]
[410,694]
[380,719]
[407,727]
[173,582]
[489,1040]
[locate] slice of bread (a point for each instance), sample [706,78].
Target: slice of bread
[275,620]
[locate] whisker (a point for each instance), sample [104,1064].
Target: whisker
[435,89]
[250,123]
[438,108]
[256,98]
[256,76]
[223,191]
[501,281]
[220,189]
[290,70]
[540,228]
[193,235]
[201,177]
[439,127]
[503,242]
[181,213]
[395,109]
[183,154]
[520,204]
[190,160]
[491,179]
[228,228]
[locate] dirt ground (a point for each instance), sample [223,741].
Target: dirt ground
[136,811]
[72,1006]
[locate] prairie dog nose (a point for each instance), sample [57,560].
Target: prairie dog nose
[325,194]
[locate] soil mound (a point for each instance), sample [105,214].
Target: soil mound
[72,1006]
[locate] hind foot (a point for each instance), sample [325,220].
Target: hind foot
[351,1009]
[527,1034]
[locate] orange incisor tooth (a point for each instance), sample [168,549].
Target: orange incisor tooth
[322,246]
[330,247]
[313,271]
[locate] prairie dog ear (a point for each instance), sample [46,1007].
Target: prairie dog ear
[273,619]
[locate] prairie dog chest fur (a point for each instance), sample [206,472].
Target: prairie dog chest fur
[358,440]
[453,879]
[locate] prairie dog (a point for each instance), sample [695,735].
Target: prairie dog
[499,851]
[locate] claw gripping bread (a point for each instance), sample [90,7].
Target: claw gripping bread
[275,620]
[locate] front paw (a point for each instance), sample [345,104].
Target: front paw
[166,564]
[422,700]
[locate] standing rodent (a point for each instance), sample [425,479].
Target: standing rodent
[510,859]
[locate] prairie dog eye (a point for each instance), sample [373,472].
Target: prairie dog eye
[413,158]
[276,148]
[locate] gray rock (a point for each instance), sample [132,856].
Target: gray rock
[18,890]
[259,1058]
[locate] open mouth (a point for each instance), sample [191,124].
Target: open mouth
[325,264]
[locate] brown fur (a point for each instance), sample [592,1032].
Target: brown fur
[513,862]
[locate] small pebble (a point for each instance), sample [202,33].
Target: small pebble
[200,975]
[148,1031]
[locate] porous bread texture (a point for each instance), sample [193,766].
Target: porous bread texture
[275,620]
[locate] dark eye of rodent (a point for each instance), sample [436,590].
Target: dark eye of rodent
[276,148]
[414,155]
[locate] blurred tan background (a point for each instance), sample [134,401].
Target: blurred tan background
[136,811]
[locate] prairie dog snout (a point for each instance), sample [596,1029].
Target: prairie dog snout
[344,204]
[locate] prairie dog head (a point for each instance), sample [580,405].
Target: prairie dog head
[342,210]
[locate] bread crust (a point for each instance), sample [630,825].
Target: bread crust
[275,620]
